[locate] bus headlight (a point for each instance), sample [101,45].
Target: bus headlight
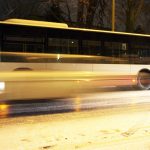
[2,86]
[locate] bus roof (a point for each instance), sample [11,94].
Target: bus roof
[46,24]
[34,23]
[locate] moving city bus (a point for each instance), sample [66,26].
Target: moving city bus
[27,45]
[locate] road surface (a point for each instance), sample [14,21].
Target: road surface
[106,121]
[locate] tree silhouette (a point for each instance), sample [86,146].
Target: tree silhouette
[81,13]
[130,13]
[54,12]
[89,9]
[17,8]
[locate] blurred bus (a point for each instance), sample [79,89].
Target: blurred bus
[27,45]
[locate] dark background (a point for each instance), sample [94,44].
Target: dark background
[131,15]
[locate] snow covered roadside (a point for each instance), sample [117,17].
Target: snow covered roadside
[106,129]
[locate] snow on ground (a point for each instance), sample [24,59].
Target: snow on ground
[124,128]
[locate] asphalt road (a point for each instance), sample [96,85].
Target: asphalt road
[79,103]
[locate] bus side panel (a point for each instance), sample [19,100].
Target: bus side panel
[114,74]
[68,67]
[12,66]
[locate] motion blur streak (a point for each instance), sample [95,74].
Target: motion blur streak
[133,80]
[77,103]
[2,86]
[56,84]
[4,110]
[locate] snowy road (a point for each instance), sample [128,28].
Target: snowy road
[110,121]
[79,103]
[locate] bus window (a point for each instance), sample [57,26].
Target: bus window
[62,46]
[0,41]
[13,47]
[140,53]
[118,52]
[35,48]
[91,47]
[23,44]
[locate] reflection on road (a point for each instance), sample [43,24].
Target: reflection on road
[77,104]
[4,110]
[105,129]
